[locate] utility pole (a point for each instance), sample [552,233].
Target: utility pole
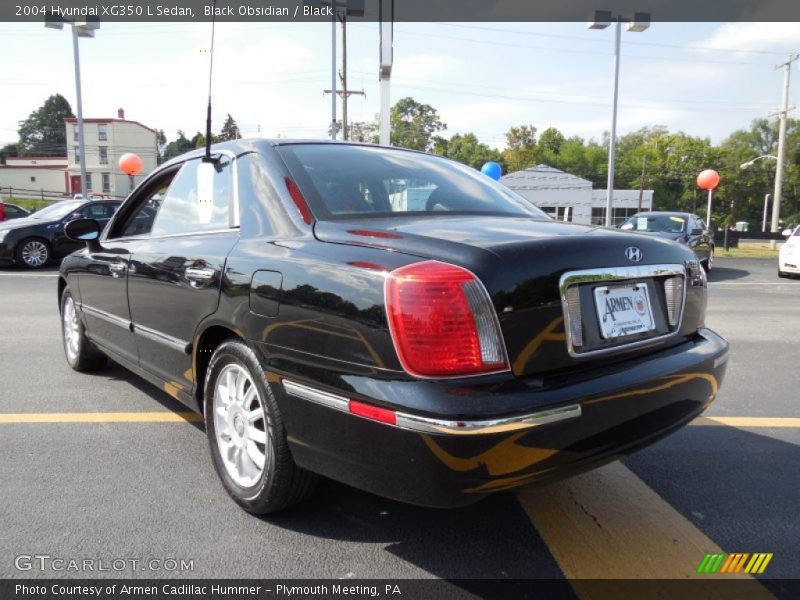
[776,199]
[386,23]
[641,183]
[344,93]
[343,75]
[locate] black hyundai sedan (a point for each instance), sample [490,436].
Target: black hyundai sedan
[34,240]
[387,318]
[684,228]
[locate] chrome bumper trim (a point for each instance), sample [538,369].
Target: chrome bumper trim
[422,424]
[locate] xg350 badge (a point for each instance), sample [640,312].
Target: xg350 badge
[634,254]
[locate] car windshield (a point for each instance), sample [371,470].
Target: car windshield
[56,211]
[344,181]
[661,223]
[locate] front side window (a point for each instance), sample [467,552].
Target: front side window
[343,181]
[180,211]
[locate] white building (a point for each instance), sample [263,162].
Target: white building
[33,175]
[106,141]
[568,197]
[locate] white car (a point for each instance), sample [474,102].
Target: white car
[789,257]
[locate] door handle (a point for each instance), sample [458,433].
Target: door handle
[200,274]
[117,268]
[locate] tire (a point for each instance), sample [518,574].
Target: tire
[81,354]
[708,263]
[34,253]
[244,427]
[782,275]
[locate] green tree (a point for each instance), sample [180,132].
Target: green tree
[230,130]
[178,146]
[466,149]
[521,151]
[161,145]
[551,140]
[43,133]
[364,131]
[8,150]
[413,124]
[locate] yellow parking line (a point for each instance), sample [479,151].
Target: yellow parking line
[102,417]
[748,421]
[608,524]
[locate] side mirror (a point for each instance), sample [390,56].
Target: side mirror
[786,232]
[697,232]
[626,226]
[83,230]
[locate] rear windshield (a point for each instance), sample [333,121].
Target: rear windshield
[342,181]
[664,223]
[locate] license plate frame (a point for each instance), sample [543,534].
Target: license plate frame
[623,310]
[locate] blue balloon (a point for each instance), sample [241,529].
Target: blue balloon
[492,169]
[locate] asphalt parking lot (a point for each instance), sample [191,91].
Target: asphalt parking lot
[143,486]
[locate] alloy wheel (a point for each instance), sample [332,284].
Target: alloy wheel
[35,253]
[240,426]
[72,333]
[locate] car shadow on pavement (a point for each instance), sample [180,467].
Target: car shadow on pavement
[740,488]
[117,372]
[491,539]
[726,273]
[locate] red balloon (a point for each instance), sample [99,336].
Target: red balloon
[130,163]
[708,179]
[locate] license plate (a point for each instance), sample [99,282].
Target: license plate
[623,310]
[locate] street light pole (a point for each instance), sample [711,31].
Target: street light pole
[79,29]
[640,22]
[776,203]
[612,142]
[333,72]
[81,144]
[764,222]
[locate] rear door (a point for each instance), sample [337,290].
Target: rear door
[176,270]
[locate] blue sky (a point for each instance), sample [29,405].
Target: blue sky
[706,79]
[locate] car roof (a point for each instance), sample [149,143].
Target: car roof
[243,145]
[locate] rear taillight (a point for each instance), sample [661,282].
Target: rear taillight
[673,293]
[442,321]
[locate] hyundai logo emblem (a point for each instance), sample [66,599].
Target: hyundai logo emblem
[634,254]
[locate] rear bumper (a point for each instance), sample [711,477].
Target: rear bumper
[618,411]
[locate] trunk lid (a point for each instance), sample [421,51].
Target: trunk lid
[520,262]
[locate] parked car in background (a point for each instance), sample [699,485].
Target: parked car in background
[684,228]
[35,240]
[789,255]
[387,318]
[12,211]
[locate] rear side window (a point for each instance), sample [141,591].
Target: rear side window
[179,211]
[342,181]
[100,211]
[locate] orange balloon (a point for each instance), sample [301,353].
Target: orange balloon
[708,179]
[130,163]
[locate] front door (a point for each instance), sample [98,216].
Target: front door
[176,272]
[75,184]
[103,282]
